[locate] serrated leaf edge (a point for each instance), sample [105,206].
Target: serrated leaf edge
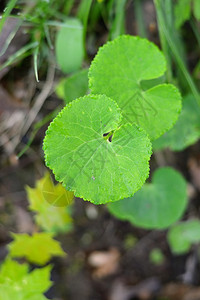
[60,115]
[176,91]
[115,41]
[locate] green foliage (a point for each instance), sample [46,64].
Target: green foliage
[38,248]
[69,46]
[10,5]
[21,53]
[118,70]
[42,11]
[186,130]
[89,163]
[83,14]
[183,10]
[55,195]
[156,256]
[74,86]
[183,235]
[196,9]
[48,217]
[17,283]
[36,16]
[118,24]
[157,204]
[130,241]
[174,47]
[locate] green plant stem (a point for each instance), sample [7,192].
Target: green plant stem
[139,18]
[68,6]
[10,37]
[118,27]
[106,11]
[164,43]
[83,14]
[35,58]
[48,37]
[7,12]
[164,31]
[22,52]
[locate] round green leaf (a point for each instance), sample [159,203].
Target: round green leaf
[157,204]
[186,131]
[183,235]
[69,46]
[118,70]
[38,248]
[96,167]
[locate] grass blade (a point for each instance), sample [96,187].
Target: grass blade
[35,59]
[7,11]
[176,53]
[139,18]
[83,14]
[18,54]
[118,26]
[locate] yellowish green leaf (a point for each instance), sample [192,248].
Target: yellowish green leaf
[16,283]
[48,217]
[37,249]
[56,195]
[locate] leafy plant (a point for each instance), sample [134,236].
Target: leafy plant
[98,169]
[183,10]
[107,157]
[16,282]
[99,145]
[118,71]
[40,18]
[182,236]
[51,204]
[157,204]
[37,249]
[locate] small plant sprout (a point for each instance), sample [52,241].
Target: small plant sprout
[156,257]
[183,235]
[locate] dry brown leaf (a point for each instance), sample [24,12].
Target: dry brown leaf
[104,262]
[175,291]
